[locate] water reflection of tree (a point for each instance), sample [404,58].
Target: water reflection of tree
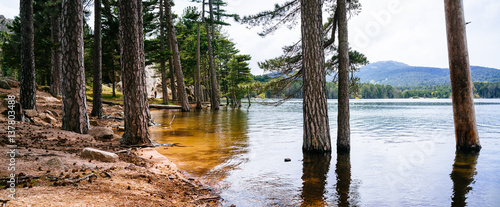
[314,172]
[343,171]
[464,170]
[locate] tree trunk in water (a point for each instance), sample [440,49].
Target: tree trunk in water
[316,128]
[28,86]
[56,57]
[197,85]
[177,60]
[343,129]
[164,87]
[74,100]
[466,134]
[133,73]
[97,88]
[214,99]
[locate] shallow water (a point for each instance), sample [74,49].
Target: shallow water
[402,154]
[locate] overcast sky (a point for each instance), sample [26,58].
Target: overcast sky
[408,31]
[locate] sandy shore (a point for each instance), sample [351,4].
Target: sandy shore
[50,171]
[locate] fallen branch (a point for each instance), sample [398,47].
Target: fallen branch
[80,179]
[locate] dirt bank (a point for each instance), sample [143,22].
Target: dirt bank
[50,171]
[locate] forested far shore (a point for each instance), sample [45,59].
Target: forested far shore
[378,91]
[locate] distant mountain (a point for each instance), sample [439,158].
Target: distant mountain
[3,22]
[400,74]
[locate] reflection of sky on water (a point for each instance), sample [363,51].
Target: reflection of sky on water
[402,153]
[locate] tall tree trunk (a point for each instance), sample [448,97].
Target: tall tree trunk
[113,75]
[177,60]
[133,74]
[343,125]
[197,85]
[466,134]
[28,88]
[215,98]
[316,127]
[164,87]
[142,58]
[171,69]
[75,116]
[97,88]
[56,56]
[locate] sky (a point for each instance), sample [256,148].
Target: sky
[408,31]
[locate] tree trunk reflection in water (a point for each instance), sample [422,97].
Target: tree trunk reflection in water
[464,170]
[315,169]
[343,171]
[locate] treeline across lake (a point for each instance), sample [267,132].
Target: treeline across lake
[377,91]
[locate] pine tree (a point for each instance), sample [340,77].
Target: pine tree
[28,90]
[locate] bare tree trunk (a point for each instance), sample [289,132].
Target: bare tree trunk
[197,85]
[143,60]
[56,56]
[343,129]
[316,127]
[133,74]
[215,98]
[114,76]
[466,134]
[164,87]
[97,88]
[171,69]
[177,60]
[28,86]
[75,117]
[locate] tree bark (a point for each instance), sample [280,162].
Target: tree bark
[343,125]
[215,98]
[316,127]
[56,56]
[28,88]
[74,100]
[164,87]
[171,69]
[197,85]
[97,86]
[181,89]
[467,138]
[133,74]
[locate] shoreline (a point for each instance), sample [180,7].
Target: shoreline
[50,171]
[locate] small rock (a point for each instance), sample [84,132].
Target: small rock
[288,159]
[30,113]
[101,132]
[55,163]
[4,84]
[121,128]
[89,166]
[95,154]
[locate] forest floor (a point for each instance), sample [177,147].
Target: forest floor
[51,172]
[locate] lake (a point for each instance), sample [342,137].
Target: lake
[402,154]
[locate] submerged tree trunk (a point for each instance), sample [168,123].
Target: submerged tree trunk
[177,60]
[28,87]
[97,85]
[316,127]
[343,171]
[133,74]
[464,170]
[315,168]
[74,100]
[164,87]
[466,134]
[214,98]
[343,129]
[197,85]
[56,56]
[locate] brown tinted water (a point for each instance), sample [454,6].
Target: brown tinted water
[403,154]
